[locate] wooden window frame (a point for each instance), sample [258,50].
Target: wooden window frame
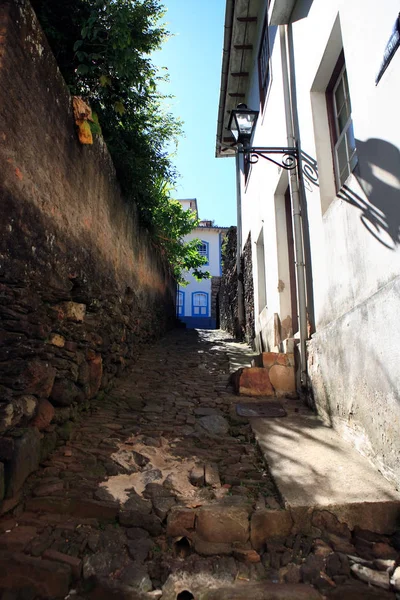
[264,53]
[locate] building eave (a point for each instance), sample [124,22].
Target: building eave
[281,11]
[241,21]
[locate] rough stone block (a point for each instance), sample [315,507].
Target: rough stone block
[246,556]
[253,381]
[196,476]
[9,504]
[268,359]
[282,359]
[95,375]
[2,482]
[6,448]
[76,507]
[38,378]
[269,524]
[211,475]
[6,416]
[56,339]
[261,591]
[211,548]
[72,561]
[72,311]
[283,379]
[223,524]
[64,392]
[17,539]
[135,518]
[18,571]
[25,405]
[180,522]
[44,414]
[24,461]
[214,425]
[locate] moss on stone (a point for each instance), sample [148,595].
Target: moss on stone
[64,432]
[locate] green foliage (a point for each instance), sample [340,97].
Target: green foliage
[103,49]
[171,223]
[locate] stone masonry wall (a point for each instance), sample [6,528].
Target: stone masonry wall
[228,304]
[228,295]
[215,286]
[81,287]
[248,289]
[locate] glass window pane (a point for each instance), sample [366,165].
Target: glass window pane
[341,155]
[346,88]
[339,97]
[343,117]
[351,142]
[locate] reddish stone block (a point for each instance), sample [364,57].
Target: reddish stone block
[48,488]
[283,379]
[44,414]
[38,378]
[77,507]
[269,524]
[268,359]
[223,524]
[180,522]
[95,375]
[253,381]
[282,359]
[18,571]
[247,556]
[17,539]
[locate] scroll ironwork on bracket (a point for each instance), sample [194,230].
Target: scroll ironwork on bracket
[289,156]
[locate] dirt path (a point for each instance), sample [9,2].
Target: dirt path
[150,497]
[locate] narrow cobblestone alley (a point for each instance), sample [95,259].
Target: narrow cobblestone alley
[151,493]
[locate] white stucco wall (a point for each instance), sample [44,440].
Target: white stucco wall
[355,352]
[212,237]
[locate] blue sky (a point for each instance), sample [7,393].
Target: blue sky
[193,58]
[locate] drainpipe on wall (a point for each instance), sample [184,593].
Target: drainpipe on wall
[240,289]
[295,199]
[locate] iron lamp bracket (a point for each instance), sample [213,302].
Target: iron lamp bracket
[288,160]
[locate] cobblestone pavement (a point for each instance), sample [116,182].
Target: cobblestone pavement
[151,494]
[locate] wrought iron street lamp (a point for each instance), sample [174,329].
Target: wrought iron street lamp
[241,124]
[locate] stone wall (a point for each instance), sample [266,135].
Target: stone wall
[81,286]
[248,289]
[228,295]
[228,304]
[215,287]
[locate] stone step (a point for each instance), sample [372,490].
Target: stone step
[203,589]
[47,578]
[315,468]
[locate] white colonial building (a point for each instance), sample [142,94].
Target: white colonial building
[197,301]
[325,78]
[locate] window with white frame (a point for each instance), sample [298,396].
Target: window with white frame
[200,304]
[342,132]
[180,300]
[203,250]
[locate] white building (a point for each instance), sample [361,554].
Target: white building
[197,302]
[325,236]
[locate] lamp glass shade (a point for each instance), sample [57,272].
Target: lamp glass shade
[242,124]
